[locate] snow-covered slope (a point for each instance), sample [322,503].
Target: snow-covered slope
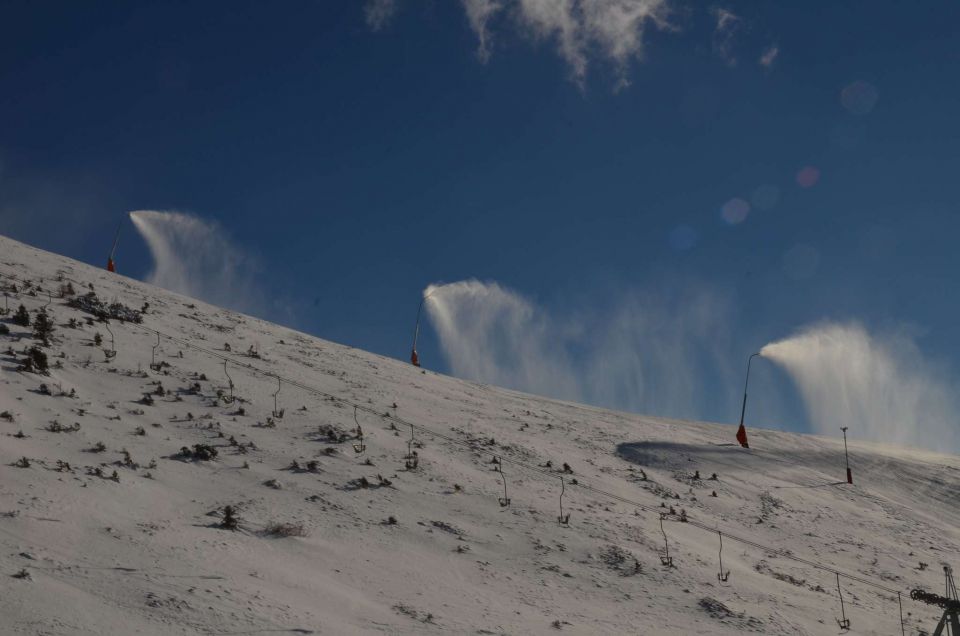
[390,549]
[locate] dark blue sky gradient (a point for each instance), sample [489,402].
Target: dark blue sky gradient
[360,166]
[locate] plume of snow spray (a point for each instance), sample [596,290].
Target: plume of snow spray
[648,352]
[491,334]
[194,257]
[882,388]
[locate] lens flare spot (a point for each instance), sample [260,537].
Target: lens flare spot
[808,176]
[683,238]
[735,211]
[859,97]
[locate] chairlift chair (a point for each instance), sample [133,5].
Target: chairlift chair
[278,412]
[111,353]
[722,576]
[153,355]
[843,621]
[505,500]
[360,446]
[563,519]
[412,459]
[665,558]
[228,400]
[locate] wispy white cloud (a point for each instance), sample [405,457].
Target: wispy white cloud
[582,30]
[725,31]
[479,13]
[379,13]
[613,29]
[648,351]
[769,56]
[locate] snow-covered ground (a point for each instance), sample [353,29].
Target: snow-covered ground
[420,550]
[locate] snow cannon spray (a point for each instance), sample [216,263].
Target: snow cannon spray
[879,385]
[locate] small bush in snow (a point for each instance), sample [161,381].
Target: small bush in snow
[57,427]
[285,530]
[43,328]
[4,330]
[230,519]
[200,452]
[36,362]
[23,462]
[21,317]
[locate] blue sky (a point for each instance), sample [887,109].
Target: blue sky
[797,160]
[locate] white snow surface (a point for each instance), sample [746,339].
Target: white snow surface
[145,554]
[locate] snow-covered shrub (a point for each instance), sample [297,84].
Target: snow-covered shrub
[36,362]
[43,328]
[285,530]
[21,317]
[230,520]
[200,452]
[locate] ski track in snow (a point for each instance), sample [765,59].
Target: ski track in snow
[145,555]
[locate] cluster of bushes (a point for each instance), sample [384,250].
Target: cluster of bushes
[43,328]
[90,304]
[35,362]
[199,452]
